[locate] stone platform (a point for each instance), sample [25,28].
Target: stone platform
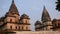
[38,32]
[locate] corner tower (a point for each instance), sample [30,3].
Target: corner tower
[13,22]
[46,20]
[25,20]
[12,14]
[12,18]
[38,26]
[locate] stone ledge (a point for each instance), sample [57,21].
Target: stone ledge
[37,32]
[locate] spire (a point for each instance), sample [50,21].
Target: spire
[45,15]
[13,9]
[44,8]
[12,1]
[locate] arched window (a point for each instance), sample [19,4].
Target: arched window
[22,27]
[19,27]
[10,20]
[16,27]
[10,27]
[58,24]
[26,28]
[26,21]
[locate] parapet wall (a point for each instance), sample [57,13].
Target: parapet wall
[38,32]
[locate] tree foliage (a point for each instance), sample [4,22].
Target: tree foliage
[58,5]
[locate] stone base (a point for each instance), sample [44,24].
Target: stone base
[38,32]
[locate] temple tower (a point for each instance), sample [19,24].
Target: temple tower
[12,18]
[13,22]
[12,15]
[38,26]
[46,20]
[25,20]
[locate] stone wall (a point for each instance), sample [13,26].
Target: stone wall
[38,32]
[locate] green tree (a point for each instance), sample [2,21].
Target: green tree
[58,5]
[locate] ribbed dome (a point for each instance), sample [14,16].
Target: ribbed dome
[38,22]
[24,16]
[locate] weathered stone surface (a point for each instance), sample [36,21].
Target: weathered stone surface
[37,32]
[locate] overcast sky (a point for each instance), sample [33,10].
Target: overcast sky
[33,8]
